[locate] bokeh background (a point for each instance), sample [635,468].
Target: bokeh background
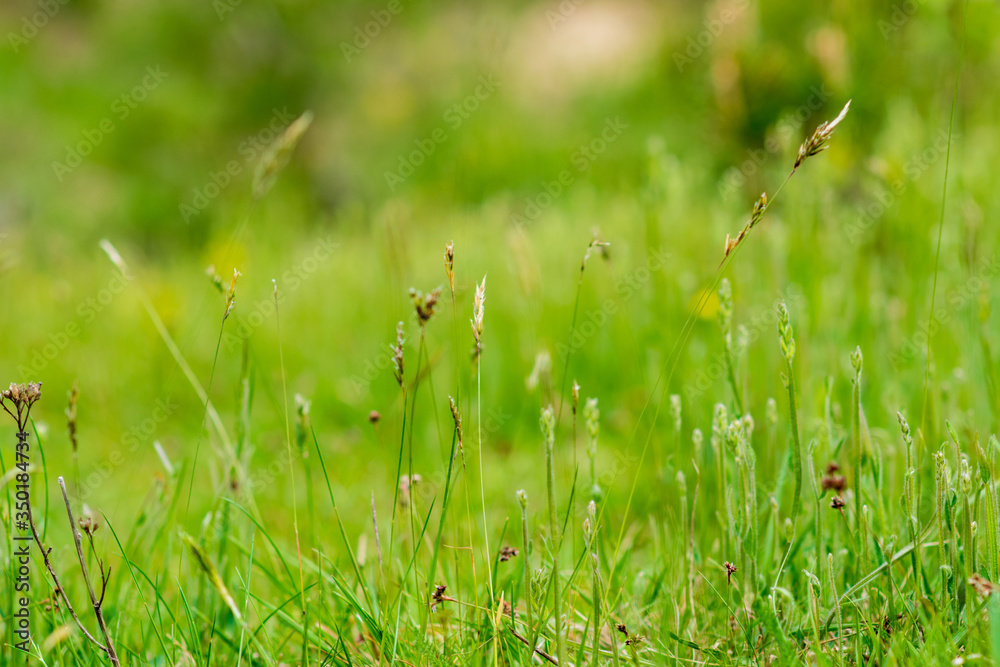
[664,119]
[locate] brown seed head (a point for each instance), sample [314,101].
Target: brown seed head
[507,553]
[835,482]
[730,570]
[425,303]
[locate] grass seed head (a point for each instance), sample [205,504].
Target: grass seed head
[449,265]
[231,294]
[857,361]
[74,394]
[278,154]
[457,418]
[759,207]
[592,417]
[425,304]
[720,422]
[547,422]
[675,411]
[478,309]
[818,142]
[786,334]
[397,355]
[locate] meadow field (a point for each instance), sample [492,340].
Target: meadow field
[383,332]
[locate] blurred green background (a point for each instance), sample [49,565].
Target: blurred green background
[664,120]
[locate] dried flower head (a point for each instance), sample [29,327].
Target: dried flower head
[833,482]
[425,304]
[438,597]
[817,143]
[730,571]
[478,309]
[838,504]
[449,266]
[982,585]
[89,524]
[832,467]
[22,397]
[374,417]
[507,553]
